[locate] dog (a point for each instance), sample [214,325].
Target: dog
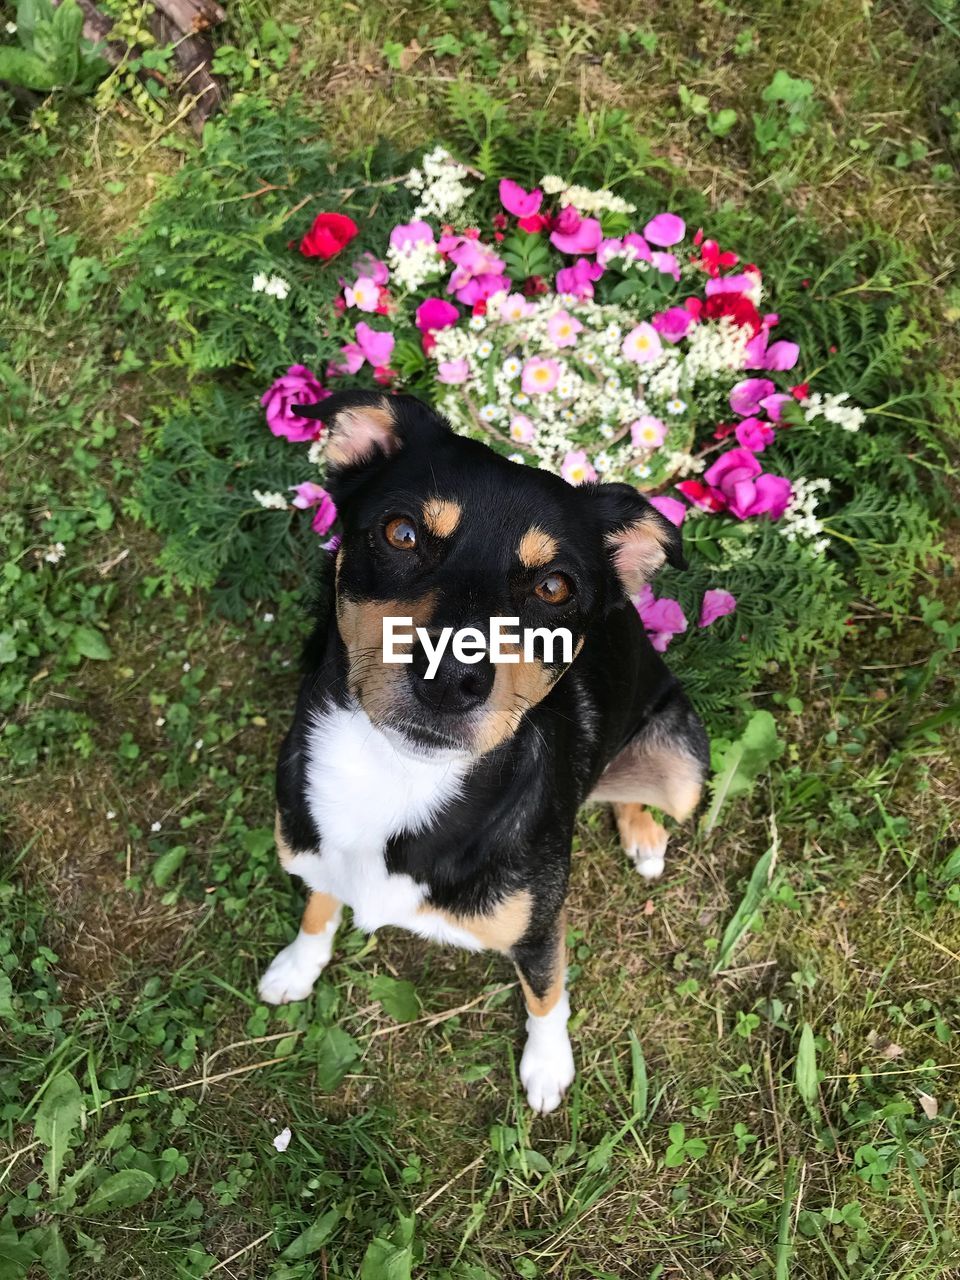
[446,805]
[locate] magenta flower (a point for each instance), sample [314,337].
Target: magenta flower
[774,405]
[665,229]
[608,249]
[309,495]
[662,619]
[477,273]
[350,364]
[745,397]
[436,313]
[576,467]
[633,240]
[375,346]
[562,329]
[674,323]
[670,508]
[666,264]
[641,344]
[647,432]
[758,355]
[740,283]
[368,265]
[297,386]
[754,434]
[578,279]
[716,603]
[406,234]
[480,288]
[539,375]
[522,204]
[585,237]
[737,476]
[363,294]
[452,372]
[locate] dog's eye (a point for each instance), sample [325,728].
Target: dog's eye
[556,588]
[401,533]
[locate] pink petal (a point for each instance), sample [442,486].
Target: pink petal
[673,510]
[782,355]
[522,204]
[665,229]
[717,603]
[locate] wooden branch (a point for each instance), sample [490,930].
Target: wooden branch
[192,55]
[192,16]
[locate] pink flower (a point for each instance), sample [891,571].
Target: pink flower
[480,288]
[641,250]
[716,603]
[576,468]
[585,237]
[647,432]
[737,475]
[406,234]
[665,229]
[515,307]
[666,264]
[774,405]
[608,249]
[754,434]
[702,495]
[745,397]
[670,508]
[674,323]
[363,294]
[368,265]
[578,279]
[662,619]
[375,346]
[562,329]
[296,387]
[641,344]
[352,361]
[740,283]
[522,204]
[436,313]
[539,375]
[309,495]
[522,429]
[453,371]
[779,356]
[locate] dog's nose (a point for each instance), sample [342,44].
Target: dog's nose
[456,687]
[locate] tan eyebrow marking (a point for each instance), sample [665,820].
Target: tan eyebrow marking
[441,516]
[536,548]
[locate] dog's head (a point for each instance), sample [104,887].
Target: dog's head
[446,532]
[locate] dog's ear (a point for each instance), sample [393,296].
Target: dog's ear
[639,539]
[363,426]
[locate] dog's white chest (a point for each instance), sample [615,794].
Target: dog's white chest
[362,790]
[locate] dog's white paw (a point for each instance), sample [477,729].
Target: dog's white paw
[295,969]
[648,858]
[546,1068]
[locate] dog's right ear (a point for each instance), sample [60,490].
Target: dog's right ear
[364,426]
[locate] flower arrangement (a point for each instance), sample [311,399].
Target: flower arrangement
[569,334]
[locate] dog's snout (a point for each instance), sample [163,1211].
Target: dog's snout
[455,687]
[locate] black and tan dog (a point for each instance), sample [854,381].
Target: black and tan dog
[446,805]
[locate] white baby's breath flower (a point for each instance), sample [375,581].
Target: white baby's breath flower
[270,501]
[551,184]
[277,287]
[186,666]
[111,814]
[155,826]
[160,721]
[260,282]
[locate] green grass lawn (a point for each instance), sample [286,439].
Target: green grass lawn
[768,1071]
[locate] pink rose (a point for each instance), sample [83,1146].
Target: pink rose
[737,476]
[436,313]
[297,386]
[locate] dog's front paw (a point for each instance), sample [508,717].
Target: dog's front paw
[546,1068]
[295,969]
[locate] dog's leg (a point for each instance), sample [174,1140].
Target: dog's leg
[295,969]
[644,840]
[546,1068]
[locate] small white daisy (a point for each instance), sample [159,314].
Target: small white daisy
[511,367]
[484,349]
[589,358]
[515,457]
[55,553]
[607,432]
[155,826]
[676,405]
[613,333]
[521,398]
[477,324]
[489,412]
[603,461]
[643,472]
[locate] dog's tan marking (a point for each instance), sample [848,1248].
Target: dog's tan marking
[540,1006]
[357,433]
[637,826]
[441,516]
[638,551]
[517,687]
[536,548]
[498,930]
[652,774]
[284,853]
[374,682]
[318,912]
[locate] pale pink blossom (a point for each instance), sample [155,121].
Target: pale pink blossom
[641,344]
[576,468]
[539,375]
[562,329]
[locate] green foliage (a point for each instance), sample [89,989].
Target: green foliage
[53,53]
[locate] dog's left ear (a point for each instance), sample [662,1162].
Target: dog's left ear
[363,426]
[640,540]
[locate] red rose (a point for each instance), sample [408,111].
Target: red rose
[330,233]
[736,305]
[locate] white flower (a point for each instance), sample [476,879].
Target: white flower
[589,358]
[440,186]
[551,184]
[414,263]
[155,826]
[676,405]
[268,617]
[516,457]
[606,431]
[603,461]
[186,666]
[277,287]
[271,501]
[160,721]
[490,412]
[282,1140]
[110,815]
[260,282]
[55,553]
[477,324]
[315,453]
[198,745]
[521,398]
[642,472]
[511,367]
[564,388]
[484,349]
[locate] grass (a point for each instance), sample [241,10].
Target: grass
[696,1141]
